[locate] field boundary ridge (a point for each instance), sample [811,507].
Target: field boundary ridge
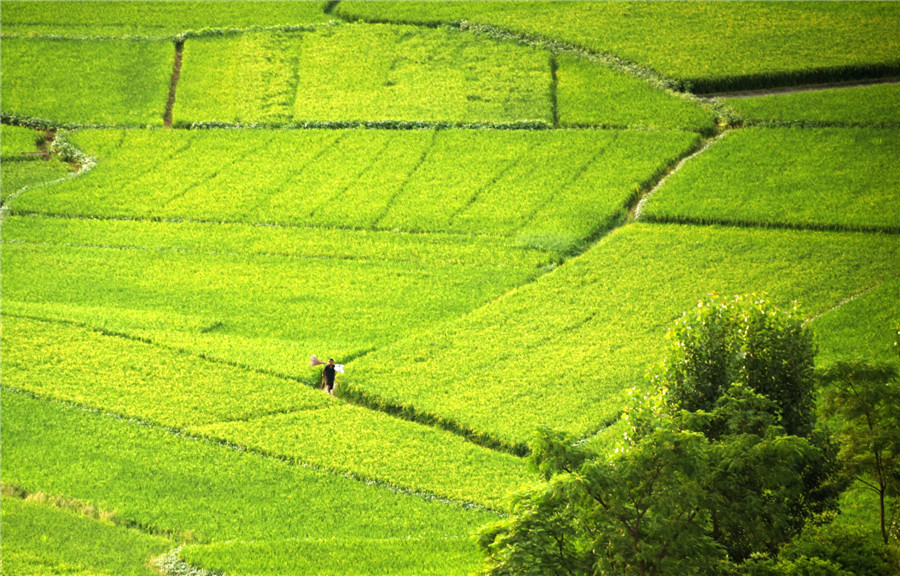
[188,434]
[761,224]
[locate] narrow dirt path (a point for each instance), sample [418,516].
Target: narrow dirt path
[635,213]
[173,83]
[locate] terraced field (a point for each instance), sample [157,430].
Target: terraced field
[490,213]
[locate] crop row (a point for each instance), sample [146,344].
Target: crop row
[147,475]
[41,539]
[339,557]
[561,351]
[558,185]
[843,178]
[139,380]
[151,19]
[362,72]
[266,311]
[874,105]
[351,73]
[23,166]
[87,82]
[864,326]
[705,47]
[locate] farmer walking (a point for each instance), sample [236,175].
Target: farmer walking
[328,375]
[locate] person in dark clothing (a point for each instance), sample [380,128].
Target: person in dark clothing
[328,376]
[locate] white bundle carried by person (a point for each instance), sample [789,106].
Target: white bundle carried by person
[314,361]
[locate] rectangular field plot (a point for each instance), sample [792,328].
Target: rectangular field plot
[876,105]
[590,94]
[108,82]
[563,350]
[362,73]
[21,165]
[706,46]
[273,415]
[152,19]
[203,490]
[828,178]
[340,557]
[547,188]
[39,539]
[247,295]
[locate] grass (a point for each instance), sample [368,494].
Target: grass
[273,415]
[152,19]
[339,557]
[146,475]
[39,539]
[703,47]
[265,310]
[874,105]
[531,185]
[863,329]
[562,351]
[823,178]
[20,168]
[113,82]
[591,94]
[361,73]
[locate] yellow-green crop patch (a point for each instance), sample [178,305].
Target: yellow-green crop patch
[561,351]
[266,310]
[202,490]
[705,46]
[340,557]
[842,178]
[373,445]
[139,380]
[361,73]
[22,163]
[550,189]
[864,326]
[143,381]
[120,18]
[590,94]
[40,539]
[110,82]
[875,105]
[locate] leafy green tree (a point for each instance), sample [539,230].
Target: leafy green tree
[865,403]
[708,472]
[744,340]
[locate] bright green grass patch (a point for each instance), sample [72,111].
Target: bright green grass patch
[561,351]
[155,19]
[590,94]
[19,167]
[708,45]
[376,446]
[549,189]
[142,381]
[39,539]
[200,489]
[87,82]
[862,329]
[362,72]
[338,557]
[859,105]
[139,380]
[263,310]
[843,178]
[288,242]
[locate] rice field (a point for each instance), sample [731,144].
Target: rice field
[829,178]
[489,212]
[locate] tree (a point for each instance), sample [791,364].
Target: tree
[720,461]
[865,403]
[744,340]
